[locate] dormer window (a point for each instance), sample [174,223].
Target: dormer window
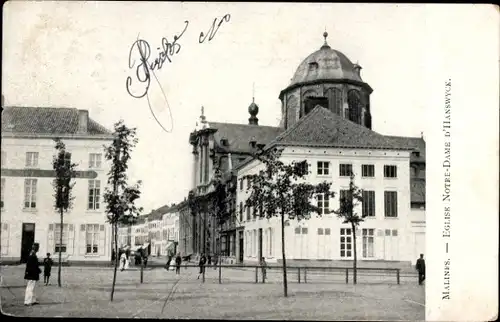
[224,142]
[416,154]
[313,66]
[253,144]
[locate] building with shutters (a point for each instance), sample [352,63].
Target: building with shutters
[326,120]
[27,202]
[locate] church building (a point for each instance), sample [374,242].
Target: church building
[326,120]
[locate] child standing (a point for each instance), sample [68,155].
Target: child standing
[47,266]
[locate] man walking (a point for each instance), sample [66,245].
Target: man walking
[170,255]
[263,264]
[178,261]
[202,262]
[420,266]
[47,266]
[32,275]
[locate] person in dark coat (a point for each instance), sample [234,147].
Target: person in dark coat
[263,265]
[420,266]
[32,275]
[47,267]
[170,256]
[202,262]
[178,261]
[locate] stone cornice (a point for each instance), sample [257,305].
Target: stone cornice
[326,81]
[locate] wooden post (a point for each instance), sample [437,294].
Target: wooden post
[305,274]
[398,275]
[256,275]
[220,272]
[347,276]
[142,270]
[299,274]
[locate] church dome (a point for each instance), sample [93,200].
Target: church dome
[326,64]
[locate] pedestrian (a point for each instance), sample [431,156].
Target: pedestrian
[47,266]
[178,261]
[263,264]
[32,275]
[127,254]
[209,260]
[216,258]
[420,266]
[145,257]
[169,259]
[123,261]
[202,262]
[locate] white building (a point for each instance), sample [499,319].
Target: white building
[27,213]
[382,170]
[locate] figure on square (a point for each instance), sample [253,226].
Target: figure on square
[420,266]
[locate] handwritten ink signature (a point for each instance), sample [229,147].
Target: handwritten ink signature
[145,68]
[213,30]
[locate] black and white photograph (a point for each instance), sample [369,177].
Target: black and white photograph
[267,161]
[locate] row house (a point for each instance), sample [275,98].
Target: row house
[28,214]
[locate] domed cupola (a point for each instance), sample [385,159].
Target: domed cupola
[329,79]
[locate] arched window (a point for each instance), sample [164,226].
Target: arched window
[334,96]
[354,102]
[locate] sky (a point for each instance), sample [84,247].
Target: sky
[76,54]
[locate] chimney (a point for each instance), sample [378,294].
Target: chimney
[83,121]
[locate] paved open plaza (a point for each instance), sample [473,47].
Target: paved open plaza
[86,293]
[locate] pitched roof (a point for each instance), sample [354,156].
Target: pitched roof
[46,120]
[413,142]
[240,135]
[322,128]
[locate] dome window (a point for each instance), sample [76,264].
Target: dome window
[313,66]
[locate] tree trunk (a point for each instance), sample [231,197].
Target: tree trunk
[355,273]
[285,286]
[61,211]
[115,230]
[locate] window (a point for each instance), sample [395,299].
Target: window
[270,242]
[297,230]
[390,171]
[67,158]
[391,203]
[248,183]
[345,243]
[345,170]
[254,244]
[248,213]
[30,193]
[2,194]
[368,239]
[323,168]
[92,239]
[323,203]
[95,160]
[57,238]
[327,231]
[304,230]
[368,203]
[241,184]
[344,194]
[31,159]
[241,211]
[94,194]
[354,102]
[367,170]
[320,231]
[394,232]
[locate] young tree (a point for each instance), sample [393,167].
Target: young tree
[279,190]
[349,201]
[119,196]
[65,171]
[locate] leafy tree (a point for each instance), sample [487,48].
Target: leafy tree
[349,202]
[65,171]
[279,190]
[119,196]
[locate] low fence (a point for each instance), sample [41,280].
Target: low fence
[298,274]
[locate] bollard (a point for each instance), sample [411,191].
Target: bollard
[299,274]
[347,276]
[256,275]
[142,272]
[305,274]
[220,274]
[398,275]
